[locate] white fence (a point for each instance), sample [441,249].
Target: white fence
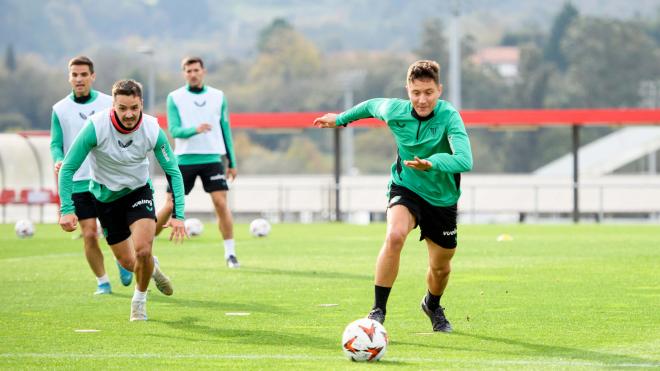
[486,198]
[25,165]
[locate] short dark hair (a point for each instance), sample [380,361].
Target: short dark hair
[127,87]
[424,70]
[82,60]
[191,60]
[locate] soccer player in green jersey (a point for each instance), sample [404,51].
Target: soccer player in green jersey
[69,116]
[433,150]
[117,141]
[198,119]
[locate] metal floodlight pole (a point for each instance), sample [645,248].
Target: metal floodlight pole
[455,55]
[337,134]
[348,80]
[576,172]
[151,78]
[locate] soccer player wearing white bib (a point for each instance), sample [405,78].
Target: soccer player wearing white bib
[69,116]
[117,141]
[198,119]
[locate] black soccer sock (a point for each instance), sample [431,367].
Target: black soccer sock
[432,301]
[381,295]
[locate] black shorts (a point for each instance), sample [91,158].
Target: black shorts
[83,202]
[212,174]
[116,216]
[437,223]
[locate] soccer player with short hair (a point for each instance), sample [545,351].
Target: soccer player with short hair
[117,141]
[69,116]
[198,119]
[433,149]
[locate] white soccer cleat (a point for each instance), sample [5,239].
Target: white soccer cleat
[138,310]
[232,262]
[163,283]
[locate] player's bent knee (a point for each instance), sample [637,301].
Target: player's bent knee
[395,239]
[441,271]
[89,234]
[142,250]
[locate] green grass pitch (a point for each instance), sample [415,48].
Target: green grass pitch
[555,297]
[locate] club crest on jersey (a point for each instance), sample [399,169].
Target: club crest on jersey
[434,130]
[124,145]
[85,116]
[398,124]
[198,104]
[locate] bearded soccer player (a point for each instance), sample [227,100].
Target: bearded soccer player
[433,150]
[117,141]
[69,116]
[198,119]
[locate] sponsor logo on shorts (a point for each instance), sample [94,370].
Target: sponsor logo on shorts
[394,200]
[149,204]
[164,152]
[449,233]
[217,177]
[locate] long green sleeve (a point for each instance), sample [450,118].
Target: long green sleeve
[226,133]
[460,160]
[174,121]
[56,139]
[370,108]
[167,160]
[84,142]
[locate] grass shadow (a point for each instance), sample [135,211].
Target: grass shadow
[218,305]
[259,337]
[606,359]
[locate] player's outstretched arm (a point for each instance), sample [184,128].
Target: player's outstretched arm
[329,120]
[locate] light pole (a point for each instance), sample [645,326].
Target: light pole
[151,83]
[348,80]
[455,55]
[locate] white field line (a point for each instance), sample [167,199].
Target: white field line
[292,357]
[20,258]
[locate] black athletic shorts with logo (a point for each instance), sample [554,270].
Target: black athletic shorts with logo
[212,175]
[116,216]
[83,202]
[437,223]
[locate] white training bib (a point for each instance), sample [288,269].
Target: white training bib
[120,160]
[72,117]
[195,109]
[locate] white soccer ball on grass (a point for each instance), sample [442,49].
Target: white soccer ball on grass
[259,227]
[24,228]
[364,340]
[194,227]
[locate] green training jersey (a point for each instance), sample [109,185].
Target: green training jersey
[439,138]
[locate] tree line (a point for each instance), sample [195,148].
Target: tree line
[582,61]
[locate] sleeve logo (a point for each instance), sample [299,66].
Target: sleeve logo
[163,150]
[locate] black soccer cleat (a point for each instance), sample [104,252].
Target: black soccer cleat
[437,317]
[377,315]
